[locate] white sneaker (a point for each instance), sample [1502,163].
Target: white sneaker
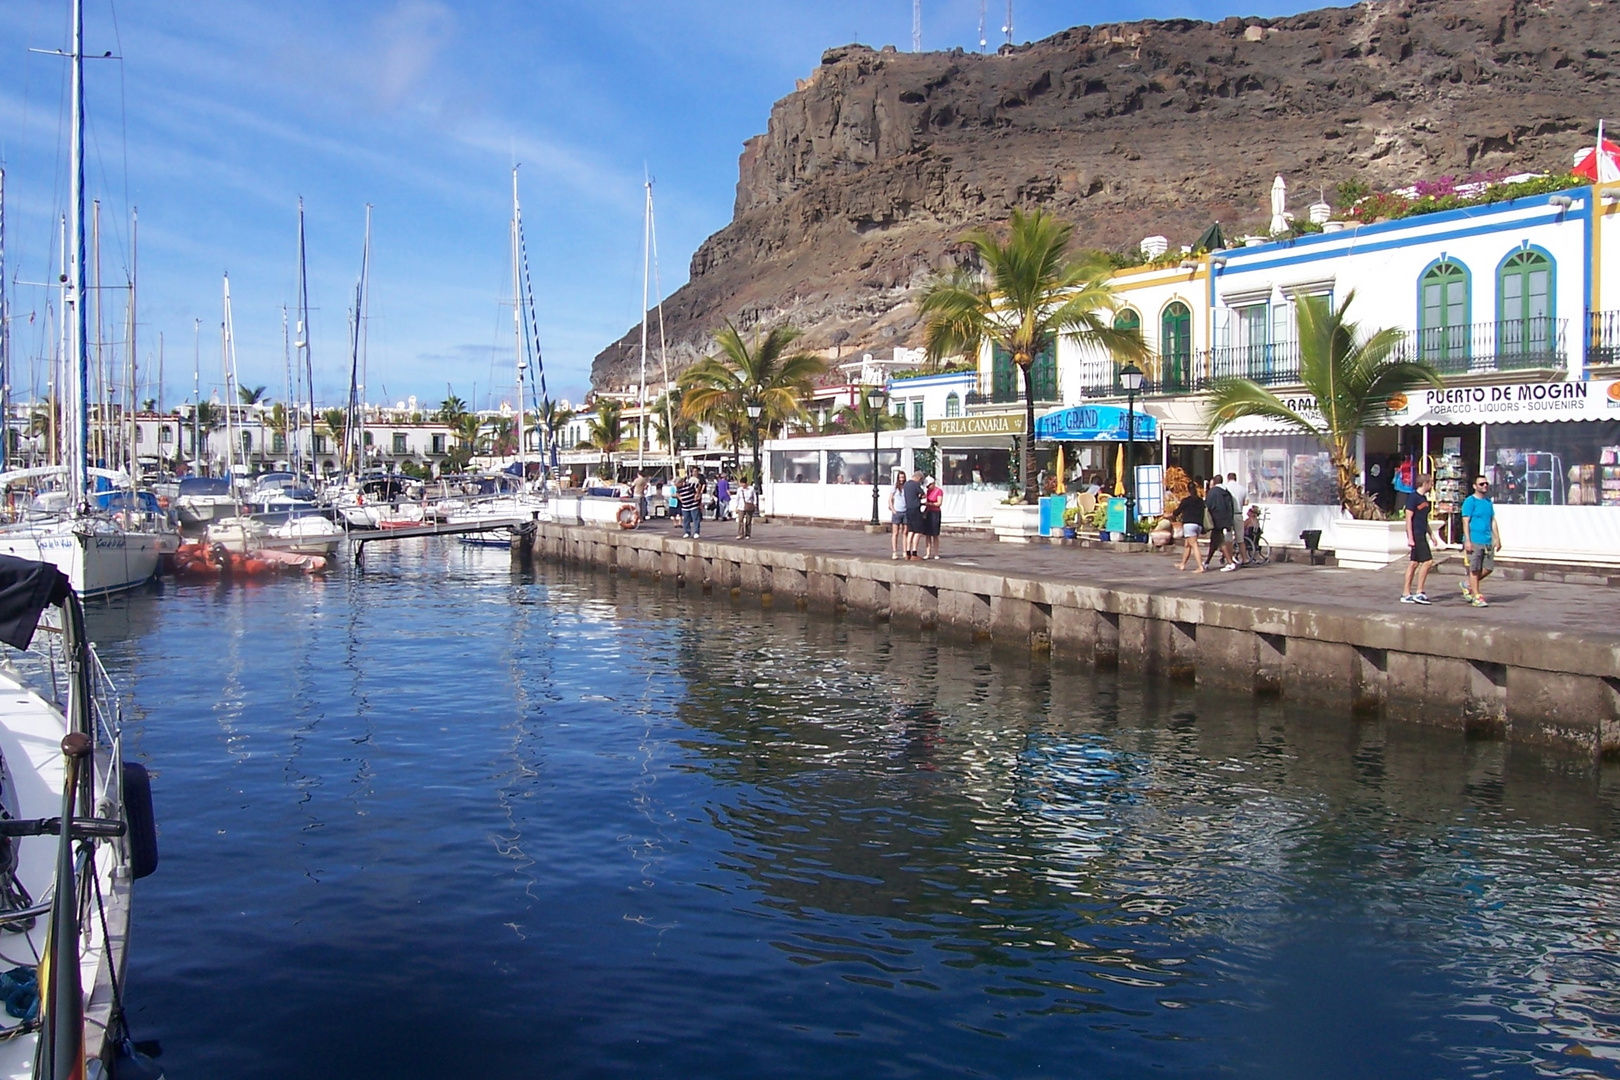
[1409,599]
[894,554]
[1228,567]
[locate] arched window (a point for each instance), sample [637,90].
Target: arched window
[1443,320]
[953,404]
[1127,319]
[1524,310]
[1007,382]
[1175,345]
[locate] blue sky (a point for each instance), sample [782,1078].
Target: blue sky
[221,115]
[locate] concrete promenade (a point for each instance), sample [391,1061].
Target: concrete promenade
[1541,664]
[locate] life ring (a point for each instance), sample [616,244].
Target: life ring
[627,517]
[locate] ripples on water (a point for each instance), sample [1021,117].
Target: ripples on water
[445,819]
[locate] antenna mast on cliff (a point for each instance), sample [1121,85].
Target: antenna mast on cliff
[982,42]
[916,25]
[1008,28]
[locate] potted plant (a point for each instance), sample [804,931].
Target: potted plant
[1071,521]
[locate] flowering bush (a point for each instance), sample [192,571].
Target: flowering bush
[1451,193]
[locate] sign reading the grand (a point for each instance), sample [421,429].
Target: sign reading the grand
[1096,423]
[1006,424]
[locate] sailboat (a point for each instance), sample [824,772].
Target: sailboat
[100,552]
[522,502]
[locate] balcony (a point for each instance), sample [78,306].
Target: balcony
[1482,348]
[1602,338]
[1008,389]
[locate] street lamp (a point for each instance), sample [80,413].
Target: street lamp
[753,418]
[1130,377]
[874,405]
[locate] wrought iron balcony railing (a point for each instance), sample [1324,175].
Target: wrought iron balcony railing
[1602,338]
[1004,387]
[1509,345]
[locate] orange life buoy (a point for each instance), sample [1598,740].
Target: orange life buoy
[627,517]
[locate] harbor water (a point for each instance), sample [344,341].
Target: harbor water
[444,818]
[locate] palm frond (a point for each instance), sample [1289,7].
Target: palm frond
[1235,399]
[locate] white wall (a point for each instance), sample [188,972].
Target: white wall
[1384,263]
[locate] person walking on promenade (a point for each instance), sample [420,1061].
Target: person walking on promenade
[638,489]
[1480,540]
[1190,515]
[933,511]
[1240,499]
[897,515]
[672,499]
[722,498]
[747,506]
[1421,560]
[689,494]
[912,493]
[1222,517]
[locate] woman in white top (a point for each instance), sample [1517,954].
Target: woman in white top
[897,515]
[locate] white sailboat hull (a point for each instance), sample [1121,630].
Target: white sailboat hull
[99,560]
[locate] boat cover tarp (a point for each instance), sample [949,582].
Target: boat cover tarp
[204,485]
[25,589]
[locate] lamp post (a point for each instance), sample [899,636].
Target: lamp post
[754,410]
[1130,377]
[874,405]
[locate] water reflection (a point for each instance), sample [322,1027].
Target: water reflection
[628,835]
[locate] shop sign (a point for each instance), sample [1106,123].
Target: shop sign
[1005,424]
[1508,403]
[1096,423]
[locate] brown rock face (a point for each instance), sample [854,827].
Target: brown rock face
[878,162]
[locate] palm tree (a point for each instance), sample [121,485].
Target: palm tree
[862,417]
[1029,295]
[606,427]
[1353,379]
[503,437]
[672,429]
[250,395]
[337,423]
[451,410]
[719,389]
[553,418]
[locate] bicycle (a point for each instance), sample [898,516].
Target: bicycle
[1256,551]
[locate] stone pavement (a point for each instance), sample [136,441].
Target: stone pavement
[1582,609]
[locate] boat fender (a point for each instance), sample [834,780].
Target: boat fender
[142,835]
[627,517]
[133,1063]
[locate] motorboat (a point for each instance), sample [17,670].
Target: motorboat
[199,500]
[77,833]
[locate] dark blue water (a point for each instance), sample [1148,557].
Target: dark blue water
[442,819]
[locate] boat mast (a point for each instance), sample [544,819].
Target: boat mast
[306,369]
[196,396]
[646,278]
[286,375]
[354,428]
[78,392]
[132,380]
[5,337]
[663,352]
[227,355]
[96,449]
[517,316]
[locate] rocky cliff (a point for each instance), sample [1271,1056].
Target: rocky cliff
[877,162]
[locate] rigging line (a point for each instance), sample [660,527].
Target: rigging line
[663,352]
[534,317]
[123,112]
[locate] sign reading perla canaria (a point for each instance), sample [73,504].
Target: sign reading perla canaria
[1005,424]
[1096,423]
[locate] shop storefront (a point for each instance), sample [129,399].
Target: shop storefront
[977,461]
[1550,449]
[1093,438]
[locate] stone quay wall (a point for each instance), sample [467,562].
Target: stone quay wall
[1514,683]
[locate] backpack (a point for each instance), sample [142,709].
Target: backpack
[1220,505]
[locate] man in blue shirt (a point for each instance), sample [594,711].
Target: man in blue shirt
[1479,539]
